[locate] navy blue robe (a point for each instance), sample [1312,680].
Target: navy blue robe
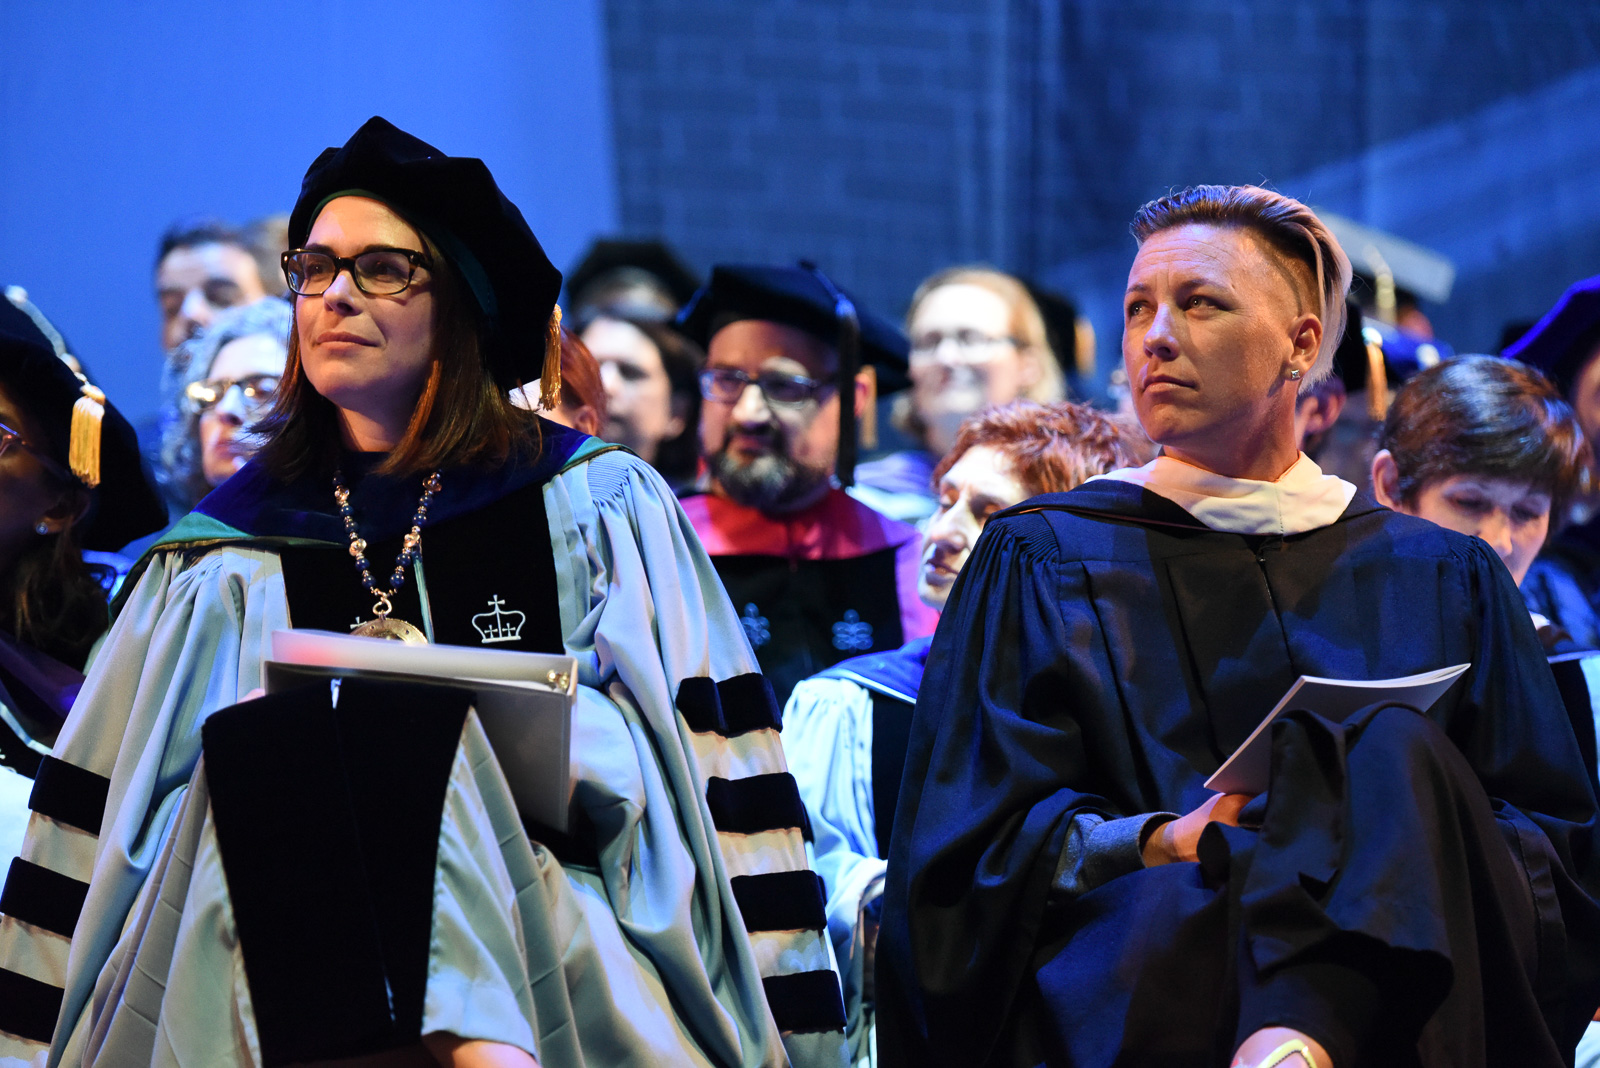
[1404,900]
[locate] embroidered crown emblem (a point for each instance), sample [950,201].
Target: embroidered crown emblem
[498,626]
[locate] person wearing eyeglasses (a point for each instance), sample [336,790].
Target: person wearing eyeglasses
[52,602]
[793,363]
[233,368]
[978,339]
[326,874]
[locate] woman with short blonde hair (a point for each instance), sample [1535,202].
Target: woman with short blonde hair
[1063,885]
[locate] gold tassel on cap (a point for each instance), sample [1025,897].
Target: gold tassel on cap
[83,449]
[869,417]
[550,377]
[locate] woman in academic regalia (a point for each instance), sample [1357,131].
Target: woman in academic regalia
[320,874]
[53,603]
[1063,889]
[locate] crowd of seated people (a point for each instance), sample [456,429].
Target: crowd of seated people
[880,754]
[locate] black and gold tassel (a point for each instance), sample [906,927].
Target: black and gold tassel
[550,377]
[83,448]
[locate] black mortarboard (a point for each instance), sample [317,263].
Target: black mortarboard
[82,432]
[454,201]
[607,258]
[806,299]
[1562,342]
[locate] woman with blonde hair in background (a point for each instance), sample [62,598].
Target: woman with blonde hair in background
[978,339]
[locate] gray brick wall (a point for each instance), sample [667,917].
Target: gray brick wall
[888,139]
[858,134]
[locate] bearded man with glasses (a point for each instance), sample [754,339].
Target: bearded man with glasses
[793,363]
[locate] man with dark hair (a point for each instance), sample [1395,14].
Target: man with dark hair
[203,266]
[792,362]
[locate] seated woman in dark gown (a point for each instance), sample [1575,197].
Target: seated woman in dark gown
[52,602]
[1409,890]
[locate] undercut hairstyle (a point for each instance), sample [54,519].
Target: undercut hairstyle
[1489,417]
[1287,226]
[1052,447]
[462,417]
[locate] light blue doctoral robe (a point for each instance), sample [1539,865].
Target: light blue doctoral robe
[644,960]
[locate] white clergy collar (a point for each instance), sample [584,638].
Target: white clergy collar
[1302,499]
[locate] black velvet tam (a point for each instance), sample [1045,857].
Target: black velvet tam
[126,504]
[651,257]
[1562,342]
[795,297]
[455,202]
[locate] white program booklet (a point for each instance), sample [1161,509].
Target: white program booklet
[1250,766]
[524,700]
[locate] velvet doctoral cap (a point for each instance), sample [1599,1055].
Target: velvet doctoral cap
[805,298]
[608,258]
[41,383]
[1562,342]
[797,297]
[455,202]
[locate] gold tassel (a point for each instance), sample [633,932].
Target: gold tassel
[83,449]
[1377,383]
[1083,338]
[869,416]
[550,377]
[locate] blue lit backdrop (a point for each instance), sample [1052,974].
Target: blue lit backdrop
[116,119]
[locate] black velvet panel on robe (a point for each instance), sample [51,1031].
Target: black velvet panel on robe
[1104,660]
[891,733]
[328,821]
[514,606]
[804,615]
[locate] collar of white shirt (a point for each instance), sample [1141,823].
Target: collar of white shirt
[1302,499]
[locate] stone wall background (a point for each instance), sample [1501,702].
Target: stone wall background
[889,139]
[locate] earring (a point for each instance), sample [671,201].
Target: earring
[41,528]
[1294,375]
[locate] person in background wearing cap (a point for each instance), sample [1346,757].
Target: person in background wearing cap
[55,501]
[642,280]
[1407,888]
[1563,584]
[791,362]
[232,370]
[845,728]
[324,874]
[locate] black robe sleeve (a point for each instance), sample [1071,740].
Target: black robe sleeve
[973,853]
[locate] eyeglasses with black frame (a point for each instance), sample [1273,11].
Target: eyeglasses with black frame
[257,390]
[725,385]
[378,272]
[10,439]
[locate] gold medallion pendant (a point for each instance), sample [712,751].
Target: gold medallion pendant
[395,630]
